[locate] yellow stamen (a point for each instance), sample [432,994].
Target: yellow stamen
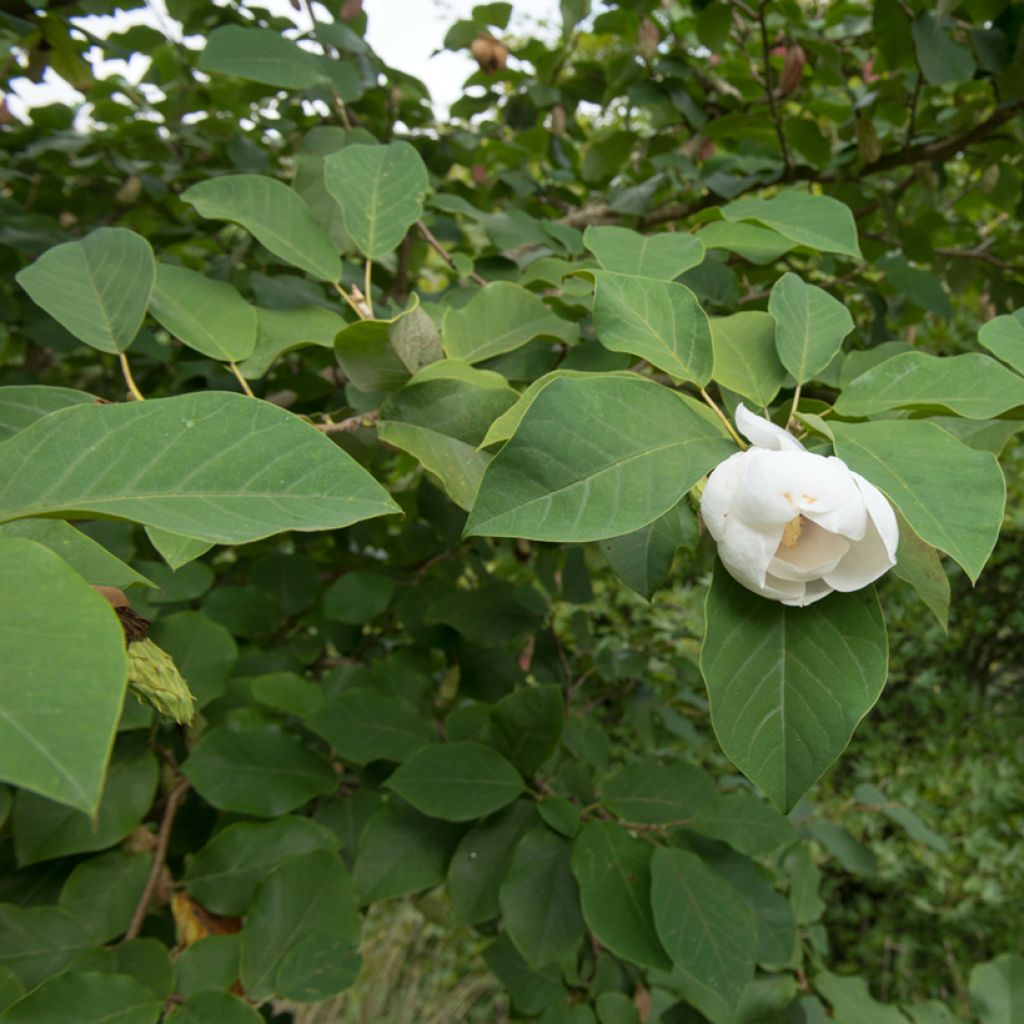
[791,534]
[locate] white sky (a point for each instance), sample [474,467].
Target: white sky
[405,33]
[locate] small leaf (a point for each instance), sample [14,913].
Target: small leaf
[941,60]
[98,288]
[102,892]
[365,350]
[272,212]
[642,559]
[279,331]
[746,359]
[658,794]
[919,565]
[207,315]
[1003,336]
[526,725]
[747,823]
[625,251]
[810,326]
[356,598]
[819,222]
[176,550]
[380,190]
[456,781]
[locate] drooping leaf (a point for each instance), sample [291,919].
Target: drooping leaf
[660,321]
[274,214]
[279,331]
[625,251]
[62,648]
[971,385]
[583,466]
[367,352]
[787,686]
[746,359]
[951,495]
[918,564]
[456,781]
[23,404]
[819,222]
[175,549]
[97,288]
[231,469]
[207,315]
[380,190]
[809,326]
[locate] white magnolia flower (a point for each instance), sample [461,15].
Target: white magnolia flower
[794,526]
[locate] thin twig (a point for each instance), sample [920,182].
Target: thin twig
[427,235]
[163,838]
[346,426]
[912,123]
[357,309]
[367,285]
[126,371]
[241,380]
[725,420]
[796,404]
[769,85]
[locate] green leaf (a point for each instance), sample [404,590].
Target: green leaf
[659,321]
[319,965]
[526,726]
[221,1007]
[367,351]
[642,559]
[746,359]
[531,991]
[380,190]
[309,893]
[941,60]
[260,55]
[754,244]
[231,469]
[44,829]
[997,989]
[581,460]
[747,824]
[810,326]
[358,597]
[364,725]
[540,901]
[223,875]
[279,331]
[175,549]
[98,288]
[203,650]
[90,998]
[867,793]
[971,385]
[92,561]
[103,892]
[707,930]
[500,317]
[919,565]
[147,961]
[1003,336]
[274,214]
[456,781]
[37,942]
[613,871]
[787,686]
[920,287]
[207,315]
[401,852]
[258,770]
[819,222]
[25,403]
[852,1003]
[481,860]
[11,989]
[625,251]
[209,963]
[62,648]
[652,793]
[951,495]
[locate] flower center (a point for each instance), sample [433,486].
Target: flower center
[791,534]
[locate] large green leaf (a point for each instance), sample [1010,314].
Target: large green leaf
[207,315]
[456,781]
[279,331]
[309,894]
[707,929]
[223,875]
[746,359]
[649,792]
[62,687]
[227,468]
[90,998]
[659,321]
[37,942]
[380,190]
[971,385]
[951,495]
[614,875]
[260,55]
[1003,336]
[819,222]
[997,989]
[23,404]
[625,251]
[584,466]
[788,686]
[500,317]
[540,901]
[98,288]
[810,326]
[274,214]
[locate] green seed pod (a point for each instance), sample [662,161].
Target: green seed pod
[154,679]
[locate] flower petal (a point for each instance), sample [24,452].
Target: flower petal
[881,514]
[719,492]
[866,560]
[815,554]
[763,433]
[748,548]
[816,590]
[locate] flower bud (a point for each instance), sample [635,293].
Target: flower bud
[490,53]
[154,679]
[792,69]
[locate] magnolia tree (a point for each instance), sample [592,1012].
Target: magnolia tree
[322,420]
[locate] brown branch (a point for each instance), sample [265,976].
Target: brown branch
[769,85]
[346,426]
[163,838]
[427,235]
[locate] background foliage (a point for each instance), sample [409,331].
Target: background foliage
[455,764]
